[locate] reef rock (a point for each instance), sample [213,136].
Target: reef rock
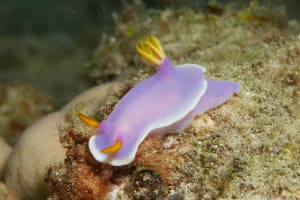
[247,148]
[38,148]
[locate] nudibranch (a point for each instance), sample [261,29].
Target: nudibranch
[163,103]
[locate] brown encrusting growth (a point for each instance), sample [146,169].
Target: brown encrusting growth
[247,148]
[79,181]
[81,177]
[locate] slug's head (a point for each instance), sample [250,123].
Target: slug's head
[115,147]
[150,49]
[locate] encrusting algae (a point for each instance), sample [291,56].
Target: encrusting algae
[247,148]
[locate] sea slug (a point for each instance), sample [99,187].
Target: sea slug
[163,103]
